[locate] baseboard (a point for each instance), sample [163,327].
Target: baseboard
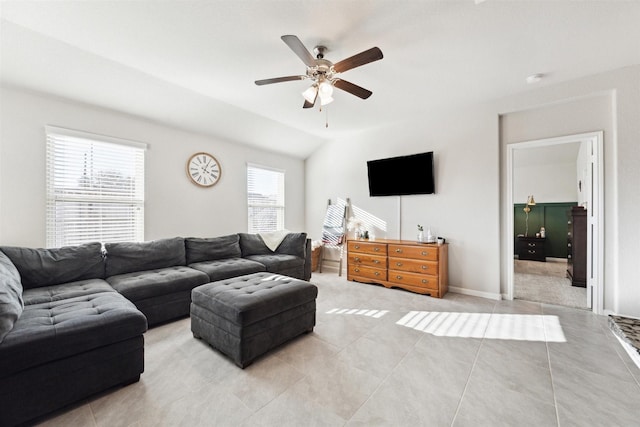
[464,291]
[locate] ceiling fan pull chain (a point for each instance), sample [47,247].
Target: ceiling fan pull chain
[326,123]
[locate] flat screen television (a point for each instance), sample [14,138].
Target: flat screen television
[400,176]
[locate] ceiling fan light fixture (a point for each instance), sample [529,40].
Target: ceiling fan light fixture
[325,88]
[311,93]
[324,99]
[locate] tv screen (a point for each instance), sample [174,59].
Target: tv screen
[400,176]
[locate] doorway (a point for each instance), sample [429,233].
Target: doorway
[589,179]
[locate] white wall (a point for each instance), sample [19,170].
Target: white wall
[470,184]
[174,206]
[547,183]
[465,208]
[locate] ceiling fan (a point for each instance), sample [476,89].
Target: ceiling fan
[323,73]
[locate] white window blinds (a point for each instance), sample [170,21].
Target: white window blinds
[95,188]
[265,198]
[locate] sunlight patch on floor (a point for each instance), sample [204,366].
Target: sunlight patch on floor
[523,327]
[358,311]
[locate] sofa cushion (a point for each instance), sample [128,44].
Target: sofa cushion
[199,250]
[65,291]
[252,244]
[46,267]
[141,285]
[55,330]
[293,244]
[127,257]
[11,301]
[276,263]
[226,268]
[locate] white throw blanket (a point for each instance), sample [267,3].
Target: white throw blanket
[274,238]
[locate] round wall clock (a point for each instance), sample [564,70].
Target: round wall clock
[203,169]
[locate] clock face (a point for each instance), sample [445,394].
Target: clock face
[203,169]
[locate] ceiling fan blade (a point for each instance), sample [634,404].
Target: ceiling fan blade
[279,80]
[356,90]
[362,58]
[298,48]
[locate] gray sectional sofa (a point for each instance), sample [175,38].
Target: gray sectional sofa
[72,319]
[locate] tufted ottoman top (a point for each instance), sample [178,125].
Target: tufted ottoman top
[248,299]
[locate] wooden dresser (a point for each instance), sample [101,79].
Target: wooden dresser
[421,268]
[531,248]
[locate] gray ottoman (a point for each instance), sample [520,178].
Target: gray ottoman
[244,317]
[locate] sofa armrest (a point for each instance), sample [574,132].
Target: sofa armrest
[307,260]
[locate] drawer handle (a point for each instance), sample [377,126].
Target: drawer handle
[399,250]
[399,277]
[424,253]
[425,267]
[399,264]
[376,261]
[376,249]
[357,246]
[425,281]
[357,270]
[569,234]
[357,259]
[377,273]
[531,252]
[569,245]
[532,245]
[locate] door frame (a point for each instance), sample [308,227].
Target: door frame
[595,234]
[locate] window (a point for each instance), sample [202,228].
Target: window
[95,188]
[265,198]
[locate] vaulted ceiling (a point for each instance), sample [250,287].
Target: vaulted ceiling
[192,64]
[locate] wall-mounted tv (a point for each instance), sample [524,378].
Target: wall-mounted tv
[400,176]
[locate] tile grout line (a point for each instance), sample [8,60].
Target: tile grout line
[383,380]
[553,388]
[473,367]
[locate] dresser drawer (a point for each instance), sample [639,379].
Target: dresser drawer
[532,245]
[367,247]
[413,279]
[368,272]
[364,259]
[414,265]
[429,253]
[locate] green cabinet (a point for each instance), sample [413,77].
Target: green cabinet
[551,216]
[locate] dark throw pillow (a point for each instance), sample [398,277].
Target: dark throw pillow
[47,267]
[199,250]
[128,257]
[293,244]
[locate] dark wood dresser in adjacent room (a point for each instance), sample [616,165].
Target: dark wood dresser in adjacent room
[531,248]
[577,246]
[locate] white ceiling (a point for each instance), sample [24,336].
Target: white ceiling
[192,64]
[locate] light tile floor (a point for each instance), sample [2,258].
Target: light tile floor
[361,370]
